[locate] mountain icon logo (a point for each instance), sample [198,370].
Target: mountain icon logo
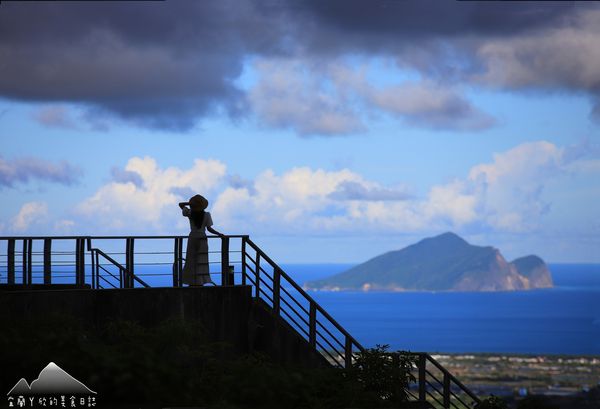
[52,380]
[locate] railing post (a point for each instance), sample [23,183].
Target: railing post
[225,260]
[446,390]
[10,261]
[129,263]
[312,325]
[47,261]
[175,262]
[24,260]
[243,260]
[79,261]
[94,277]
[231,275]
[257,266]
[93,263]
[348,352]
[276,289]
[180,263]
[95,255]
[29,263]
[422,373]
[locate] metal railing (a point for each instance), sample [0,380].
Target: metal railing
[49,260]
[296,306]
[439,387]
[108,261]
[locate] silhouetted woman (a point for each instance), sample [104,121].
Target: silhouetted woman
[195,271]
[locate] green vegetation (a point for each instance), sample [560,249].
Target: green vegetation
[492,402]
[173,363]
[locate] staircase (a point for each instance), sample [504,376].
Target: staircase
[271,286]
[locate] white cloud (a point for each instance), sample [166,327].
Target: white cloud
[509,189]
[31,213]
[152,205]
[64,226]
[505,195]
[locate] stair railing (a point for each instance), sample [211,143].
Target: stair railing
[296,306]
[271,284]
[125,279]
[438,386]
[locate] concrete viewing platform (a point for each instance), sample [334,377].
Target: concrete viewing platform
[226,313]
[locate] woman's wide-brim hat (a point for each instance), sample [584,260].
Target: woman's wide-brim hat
[198,202]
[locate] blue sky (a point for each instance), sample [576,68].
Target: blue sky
[325,137]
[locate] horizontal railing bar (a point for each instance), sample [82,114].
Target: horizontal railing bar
[304,294]
[294,310]
[298,326]
[433,376]
[265,273]
[435,399]
[142,282]
[231,236]
[459,399]
[294,299]
[111,284]
[452,378]
[111,274]
[336,360]
[434,388]
[330,334]
[329,343]
[266,295]
[265,283]
[409,393]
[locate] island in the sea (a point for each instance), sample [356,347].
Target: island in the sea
[442,263]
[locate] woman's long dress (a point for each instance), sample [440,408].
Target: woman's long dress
[195,270]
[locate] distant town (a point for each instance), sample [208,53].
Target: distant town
[521,375]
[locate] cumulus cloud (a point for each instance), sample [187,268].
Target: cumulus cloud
[23,170]
[152,204]
[509,190]
[350,190]
[504,195]
[126,176]
[238,182]
[30,214]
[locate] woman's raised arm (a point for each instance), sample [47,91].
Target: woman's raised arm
[183,204]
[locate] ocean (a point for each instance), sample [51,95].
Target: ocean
[561,320]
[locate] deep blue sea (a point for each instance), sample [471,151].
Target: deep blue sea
[561,320]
